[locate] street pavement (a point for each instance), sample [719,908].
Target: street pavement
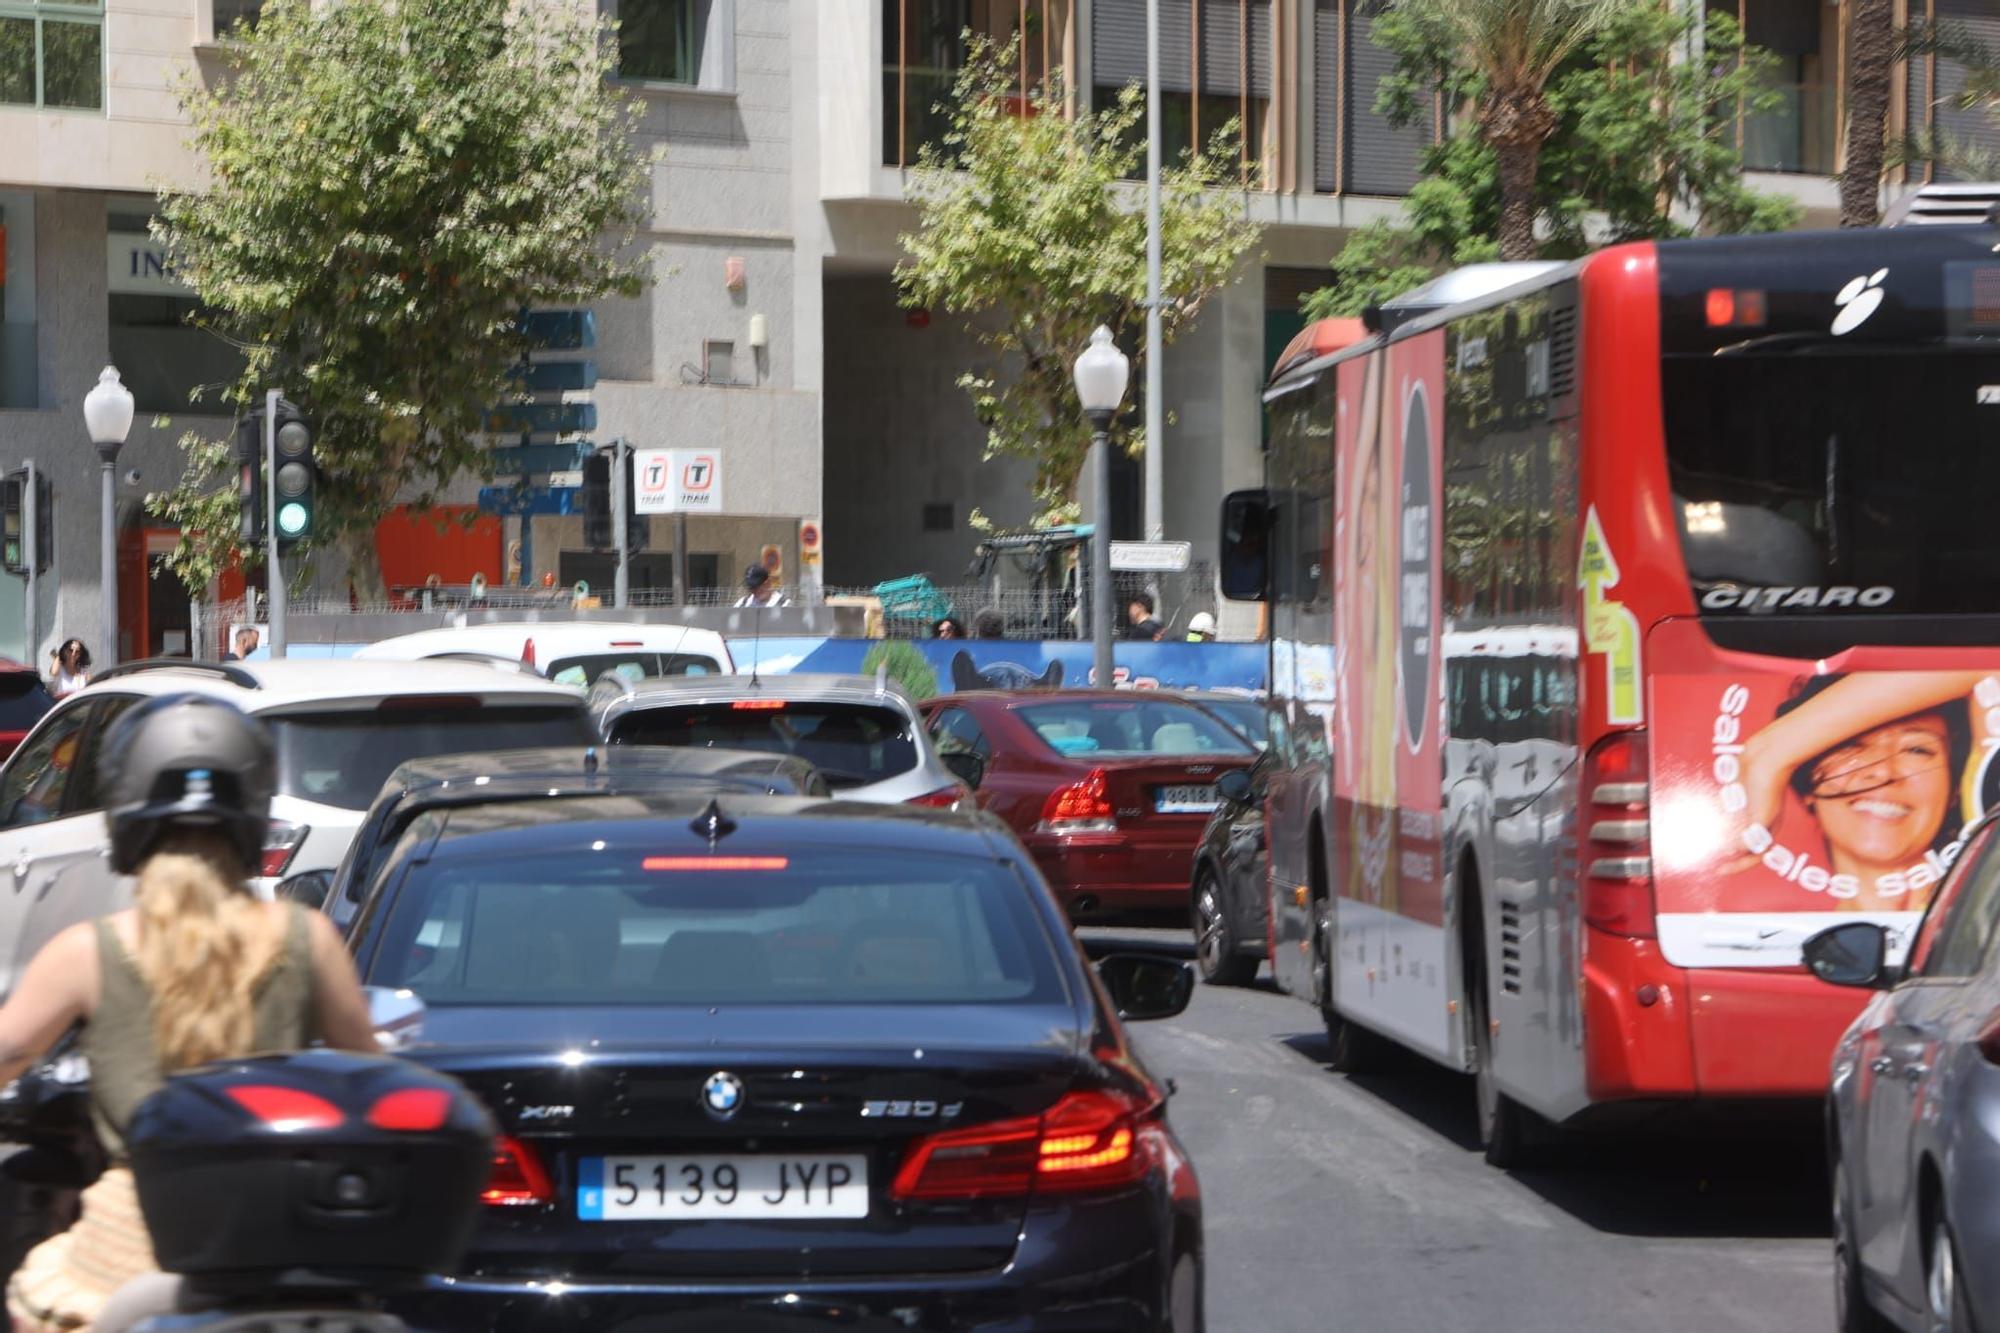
[1337,1203]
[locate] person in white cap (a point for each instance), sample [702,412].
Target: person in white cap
[1201,628]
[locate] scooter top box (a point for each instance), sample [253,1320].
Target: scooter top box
[319,1166]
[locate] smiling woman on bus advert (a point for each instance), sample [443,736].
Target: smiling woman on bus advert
[1879,766]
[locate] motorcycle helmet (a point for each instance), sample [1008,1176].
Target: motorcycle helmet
[186,761]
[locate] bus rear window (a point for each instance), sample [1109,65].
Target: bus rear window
[1834,483]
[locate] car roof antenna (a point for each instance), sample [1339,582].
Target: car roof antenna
[712,823]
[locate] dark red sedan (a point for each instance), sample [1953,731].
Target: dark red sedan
[23,700]
[1109,790]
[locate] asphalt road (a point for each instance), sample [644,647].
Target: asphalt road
[1336,1203]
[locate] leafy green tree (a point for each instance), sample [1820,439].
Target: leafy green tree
[1024,224]
[389,182]
[1498,56]
[1642,148]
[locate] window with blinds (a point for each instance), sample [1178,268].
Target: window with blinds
[924,46]
[1215,66]
[1355,148]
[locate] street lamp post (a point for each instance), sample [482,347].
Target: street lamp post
[107,412]
[1100,386]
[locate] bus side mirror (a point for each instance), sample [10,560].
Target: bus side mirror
[1246,546]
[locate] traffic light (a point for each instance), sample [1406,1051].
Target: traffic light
[638,527]
[598,534]
[45,523]
[13,556]
[249,456]
[297,477]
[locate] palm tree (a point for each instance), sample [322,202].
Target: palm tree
[1514,47]
[1871,52]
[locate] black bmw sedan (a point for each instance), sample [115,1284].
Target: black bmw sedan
[770,1062]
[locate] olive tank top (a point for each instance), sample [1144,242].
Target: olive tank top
[118,1039]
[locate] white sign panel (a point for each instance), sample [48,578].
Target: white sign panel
[1151,557]
[136,265]
[677,481]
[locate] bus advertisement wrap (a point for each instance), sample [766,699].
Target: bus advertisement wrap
[1387,779]
[1791,802]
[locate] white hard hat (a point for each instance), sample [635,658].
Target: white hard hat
[1201,622]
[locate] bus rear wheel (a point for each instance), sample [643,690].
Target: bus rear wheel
[1506,1128]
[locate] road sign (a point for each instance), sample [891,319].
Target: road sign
[533,501]
[540,458]
[541,418]
[677,481]
[1151,557]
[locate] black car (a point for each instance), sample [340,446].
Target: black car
[1228,906]
[536,774]
[771,1062]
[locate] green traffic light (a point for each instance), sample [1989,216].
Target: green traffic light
[292,519]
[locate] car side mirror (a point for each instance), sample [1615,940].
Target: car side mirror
[396,1014]
[310,889]
[1236,787]
[1146,986]
[966,766]
[1855,953]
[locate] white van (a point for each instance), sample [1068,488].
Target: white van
[573,652]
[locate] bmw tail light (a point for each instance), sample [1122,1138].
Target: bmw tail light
[1080,807]
[1087,1141]
[517,1177]
[281,843]
[1618,853]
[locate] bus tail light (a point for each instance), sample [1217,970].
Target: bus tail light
[1618,847]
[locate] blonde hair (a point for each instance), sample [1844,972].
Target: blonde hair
[204,945]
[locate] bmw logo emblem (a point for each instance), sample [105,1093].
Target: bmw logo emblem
[722,1095]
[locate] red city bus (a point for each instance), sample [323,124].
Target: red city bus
[1635,619]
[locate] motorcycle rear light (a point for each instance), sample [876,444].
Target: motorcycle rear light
[412,1110]
[1087,1141]
[943,798]
[1617,857]
[1080,807]
[715,863]
[517,1177]
[281,843]
[287,1110]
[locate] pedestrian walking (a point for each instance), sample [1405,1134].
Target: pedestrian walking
[948,627]
[246,643]
[69,668]
[197,969]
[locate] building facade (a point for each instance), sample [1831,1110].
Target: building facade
[771,336]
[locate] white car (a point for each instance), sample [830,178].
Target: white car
[574,652]
[864,735]
[339,727]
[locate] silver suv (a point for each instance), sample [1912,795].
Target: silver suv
[863,735]
[340,728]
